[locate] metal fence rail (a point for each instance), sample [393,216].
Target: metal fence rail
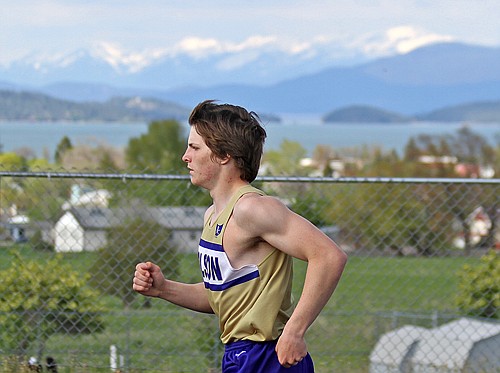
[420,290]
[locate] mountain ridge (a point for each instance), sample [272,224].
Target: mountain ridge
[32,106]
[425,79]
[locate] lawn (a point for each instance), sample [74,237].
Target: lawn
[375,295]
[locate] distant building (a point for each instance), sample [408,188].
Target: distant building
[480,226]
[20,228]
[437,160]
[86,196]
[474,171]
[17,226]
[86,228]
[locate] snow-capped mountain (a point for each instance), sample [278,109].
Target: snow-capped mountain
[312,78]
[194,61]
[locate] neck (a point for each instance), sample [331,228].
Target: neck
[223,193]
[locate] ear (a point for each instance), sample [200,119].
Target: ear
[225,160]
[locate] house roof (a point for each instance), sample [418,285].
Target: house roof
[177,217]
[96,217]
[188,218]
[18,220]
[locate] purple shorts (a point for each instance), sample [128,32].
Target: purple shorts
[259,357]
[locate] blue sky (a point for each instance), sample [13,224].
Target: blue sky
[133,29]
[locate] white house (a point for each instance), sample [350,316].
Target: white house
[82,229]
[20,228]
[86,196]
[85,228]
[17,226]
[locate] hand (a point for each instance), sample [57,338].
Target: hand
[290,350]
[148,279]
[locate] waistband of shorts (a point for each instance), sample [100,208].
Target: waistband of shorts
[237,345]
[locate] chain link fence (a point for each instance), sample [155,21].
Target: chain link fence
[420,292]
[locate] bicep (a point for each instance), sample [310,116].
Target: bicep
[287,231]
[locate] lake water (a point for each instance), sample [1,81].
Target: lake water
[308,131]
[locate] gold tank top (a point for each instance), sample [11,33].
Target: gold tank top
[253,302]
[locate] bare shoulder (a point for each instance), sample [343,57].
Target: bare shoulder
[273,222]
[253,203]
[256,211]
[208,212]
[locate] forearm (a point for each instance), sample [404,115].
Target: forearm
[191,296]
[321,280]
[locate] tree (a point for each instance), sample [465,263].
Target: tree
[40,299]
[311,206]
[378,216]
[12,162]
[63,146]
[286,160]
[466,145]
[129,244]
[100,157]
[159,150]
[471,147]
[411,151]
[39,164]
[322,155]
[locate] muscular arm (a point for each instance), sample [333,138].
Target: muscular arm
[276,224]
[150,281]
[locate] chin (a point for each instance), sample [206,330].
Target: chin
[194,182]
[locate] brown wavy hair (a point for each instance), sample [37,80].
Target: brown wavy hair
[231,130]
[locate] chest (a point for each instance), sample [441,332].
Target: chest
[241,247]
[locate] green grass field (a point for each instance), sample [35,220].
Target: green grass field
[375,295]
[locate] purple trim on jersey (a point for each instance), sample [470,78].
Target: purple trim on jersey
[234,282]
[211,245]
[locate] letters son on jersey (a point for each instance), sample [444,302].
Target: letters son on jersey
[217,272]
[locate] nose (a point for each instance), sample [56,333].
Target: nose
[185,156]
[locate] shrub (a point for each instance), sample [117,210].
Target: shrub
[479,287]
[38,300]
[128,245]
[38,243]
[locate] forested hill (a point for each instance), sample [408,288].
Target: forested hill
[479,112]
[28,106]
[364,114]
[486,111]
